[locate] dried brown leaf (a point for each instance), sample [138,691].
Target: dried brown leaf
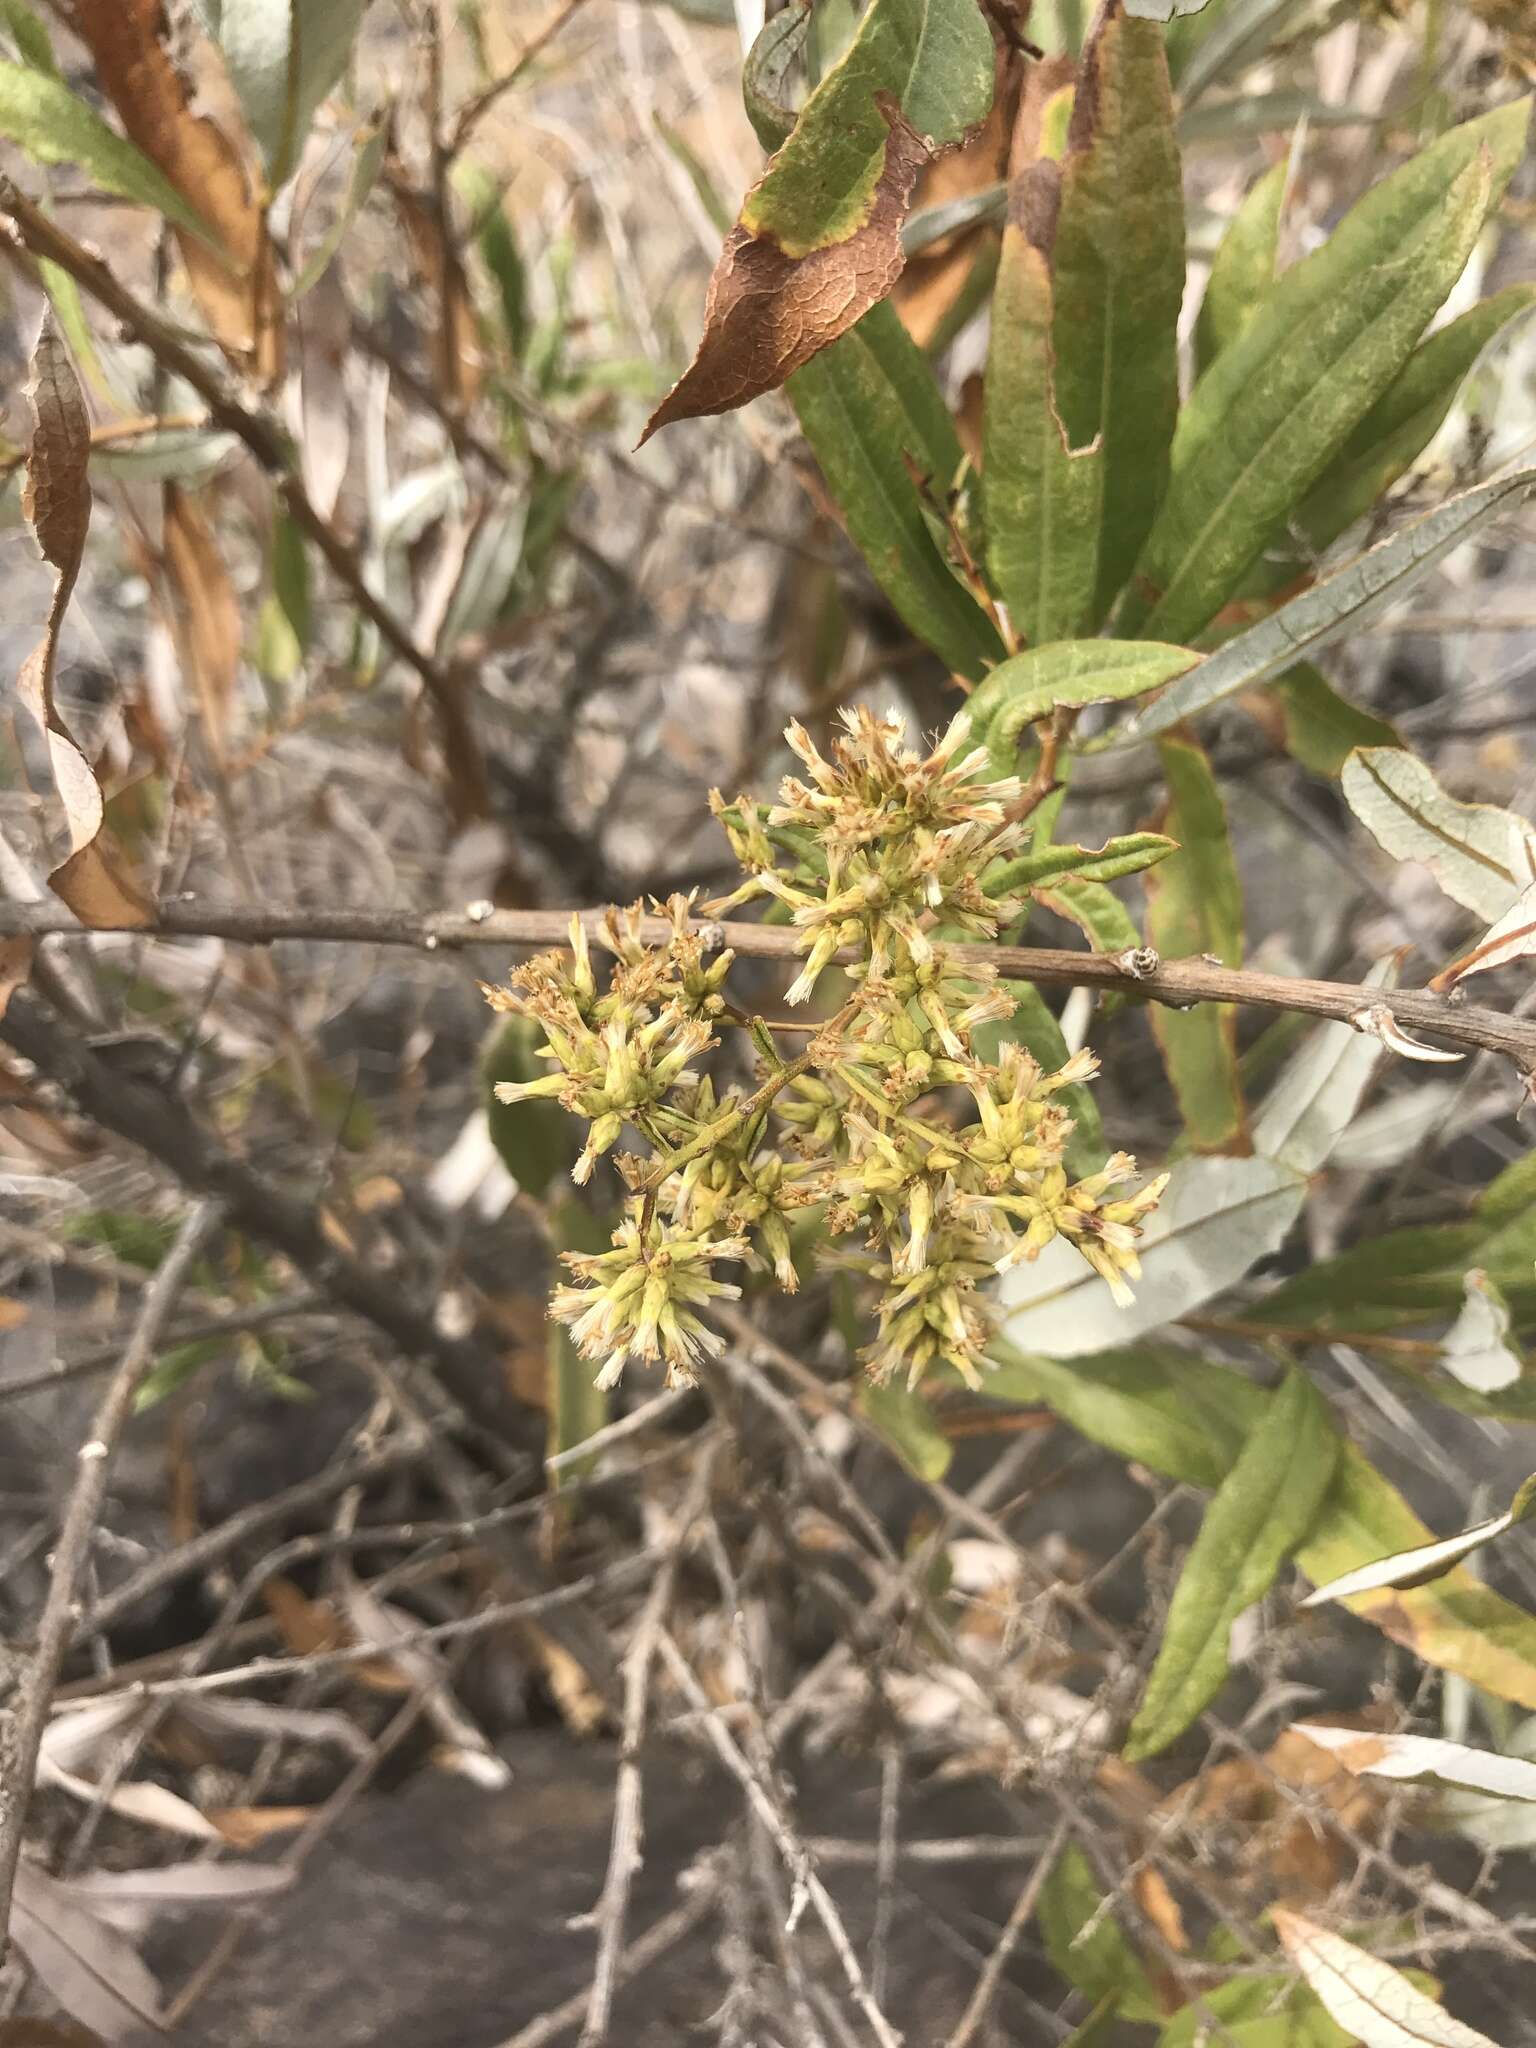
[767,313]
[247,1827]
[207,609]
[236,283]
[94,880]
[459,365]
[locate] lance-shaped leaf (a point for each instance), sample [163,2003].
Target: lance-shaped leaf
[865,405]
[1478,1349]
[32,41]
[1243,268]
[1341,603]
[1263,1509]
[1187,1417]
[1042,496]
[1420,1564]
[1323,728]
[1082,377]
[1118,274]
[1481,856]
[93,880]
[1217,1218]
[283,57]
[1065,673]
[1096,911]
[1423,1760]
[1267,418]
[1405,419]
[1195,906]
[819,238]
[1374,2003]
[1084,1941]
[234,280]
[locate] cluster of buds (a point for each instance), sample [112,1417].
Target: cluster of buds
[881,856]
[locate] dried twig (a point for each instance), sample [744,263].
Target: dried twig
[1023,1909]
[1178,984]
[23,1735]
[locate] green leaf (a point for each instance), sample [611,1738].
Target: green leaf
[1127,855]
[765,74]
[1405,419]
[30,37]
[536,1137]
[906,1421]
[48,123]
[1042,497]
[1067,672]
[283,57]
[1322,728]
[1481,856]
[1263,1509]
[1218,1216]
[1243,268]
[934,56]
[1254,2012]
[1265,420]
[1187,1417]
[1102,1964]
[1341,603]
[286,622]
[1169,1410]
[1118,274]
[1195,906]
[862,403]
[1455,1623]
[1100,915]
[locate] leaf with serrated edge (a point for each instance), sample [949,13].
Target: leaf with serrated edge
[1481,856]
[1367,1997]
[1343,602]
[1478,1350]
[1423,1759]
[93,880]
[1425,1562]
[1268,416]
[1262,1510]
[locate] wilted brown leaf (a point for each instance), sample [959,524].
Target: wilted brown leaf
[94,880]
[460,368]
[207,611]
[767,313]
[235,282]
[247,1827]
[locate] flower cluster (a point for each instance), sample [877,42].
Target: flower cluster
[889,1128]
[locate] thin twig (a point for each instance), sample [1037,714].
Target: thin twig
[796,1860]
[1178,984]
[1023,1910]
[55,1630]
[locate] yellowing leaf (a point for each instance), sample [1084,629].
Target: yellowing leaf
[1367,1997]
